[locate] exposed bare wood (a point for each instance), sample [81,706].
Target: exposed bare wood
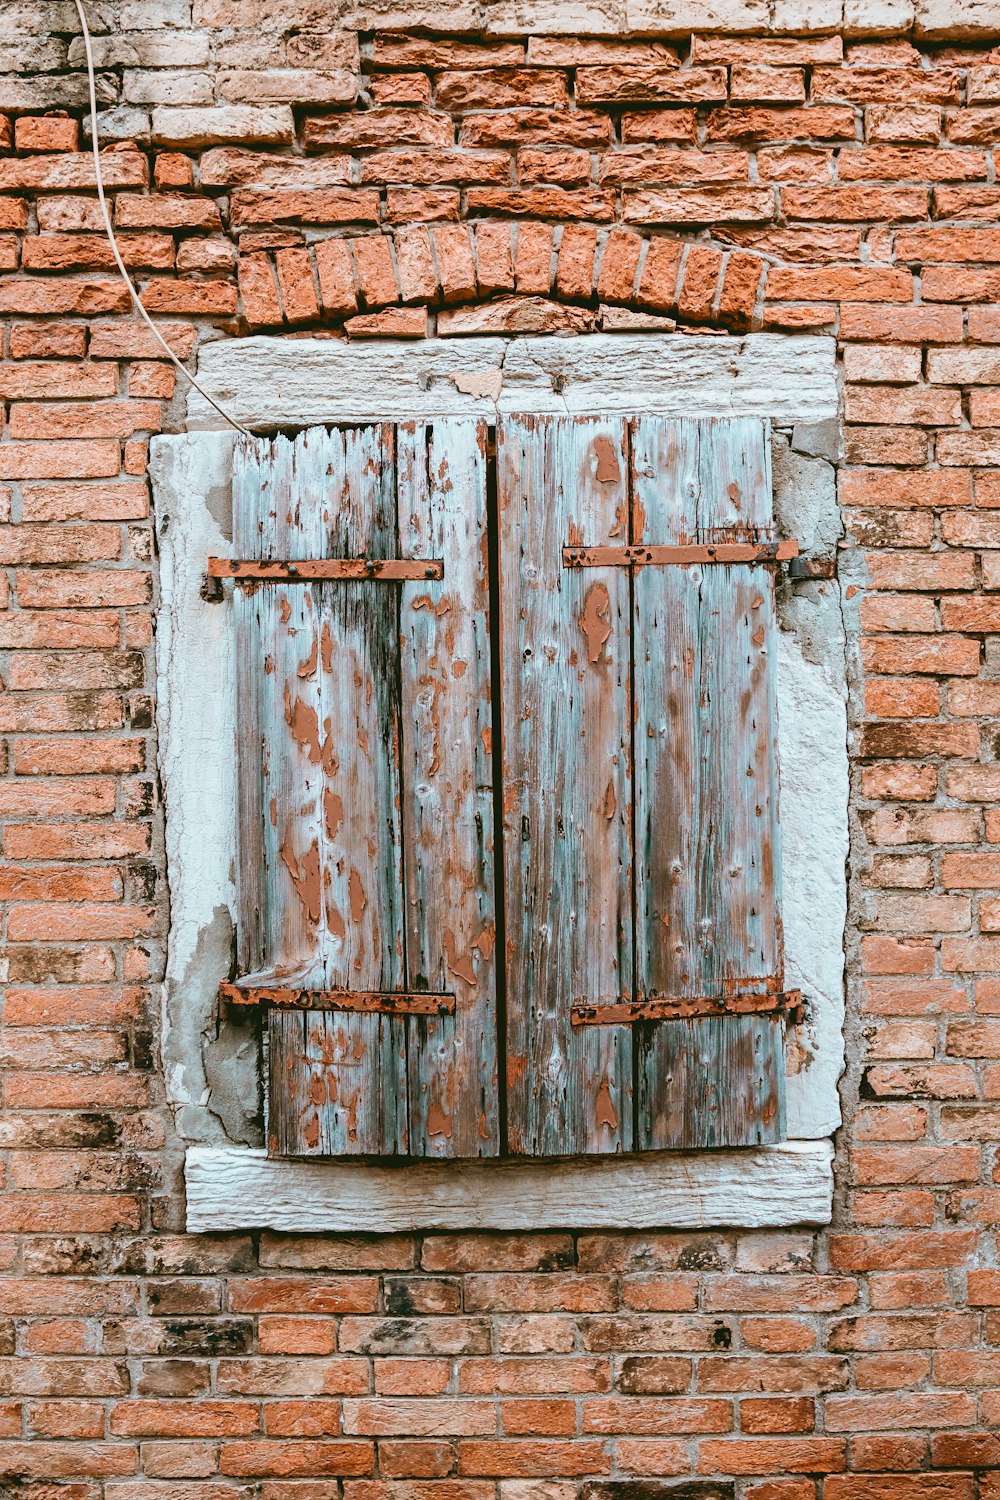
[388,570]
[652,556]
[363,700]
[447,770]
[566,787]
[379,1002]
[325,778]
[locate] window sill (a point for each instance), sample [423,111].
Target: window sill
[234,1188]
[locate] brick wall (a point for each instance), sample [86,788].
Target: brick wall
[379,185]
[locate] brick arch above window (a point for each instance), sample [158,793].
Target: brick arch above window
[499,278]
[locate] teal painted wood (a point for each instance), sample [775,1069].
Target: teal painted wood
[331,882]
[334,775]
[447,779]
[707,842]
[566,783]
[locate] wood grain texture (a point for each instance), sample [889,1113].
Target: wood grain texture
[566,783]
[334,773]
[707,876]
[690,648]
[447,768]
[233,1189]
[329,788]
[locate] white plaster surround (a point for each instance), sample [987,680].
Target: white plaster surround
[269,383]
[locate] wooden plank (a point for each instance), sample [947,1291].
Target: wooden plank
[707,878]
[324,782]
[646,557]
[233,1189]
[392,570]
[566,783]
[447,778]
[378,715]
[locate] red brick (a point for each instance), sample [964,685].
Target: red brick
[538,1418]
[575,263]
[494,262]
[751,82]
[658,280]
[208,298]
[455,262]
[700,280]
[777,1414]
[525,1457]
[335,271]
[51,295]
[302,1418]
[899,1487]
[463,93]
[290,1458]
[522,127]
[564,168]
[316,206]
[133,341]
[258,290]
[86,252]
[912,124]
[84,419]
[740,287]
[533,259]
[885,487]
[816,1455]
[415,264]
[375,271]
[544,203]
[759,123]
[393,323]
[903,325]
[59,460]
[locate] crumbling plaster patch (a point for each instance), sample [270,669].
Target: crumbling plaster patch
[211,1066]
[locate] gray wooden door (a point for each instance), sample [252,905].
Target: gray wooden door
[366,797]
[642,872]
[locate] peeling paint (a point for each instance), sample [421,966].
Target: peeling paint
[594,621]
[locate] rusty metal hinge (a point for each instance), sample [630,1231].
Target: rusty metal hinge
[368,1002]
[754,553]
[327,569]
[626,1012]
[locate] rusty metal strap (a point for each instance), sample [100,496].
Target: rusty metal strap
[328,569]
[754,553]
[369,1002]
[680,1008]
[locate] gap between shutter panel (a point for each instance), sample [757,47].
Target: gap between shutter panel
[354,782]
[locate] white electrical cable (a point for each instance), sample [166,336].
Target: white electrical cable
[114,243]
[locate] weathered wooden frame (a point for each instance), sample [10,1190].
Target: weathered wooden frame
[273,384]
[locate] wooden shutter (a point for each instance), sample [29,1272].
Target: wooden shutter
[365,781]
[640,789]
